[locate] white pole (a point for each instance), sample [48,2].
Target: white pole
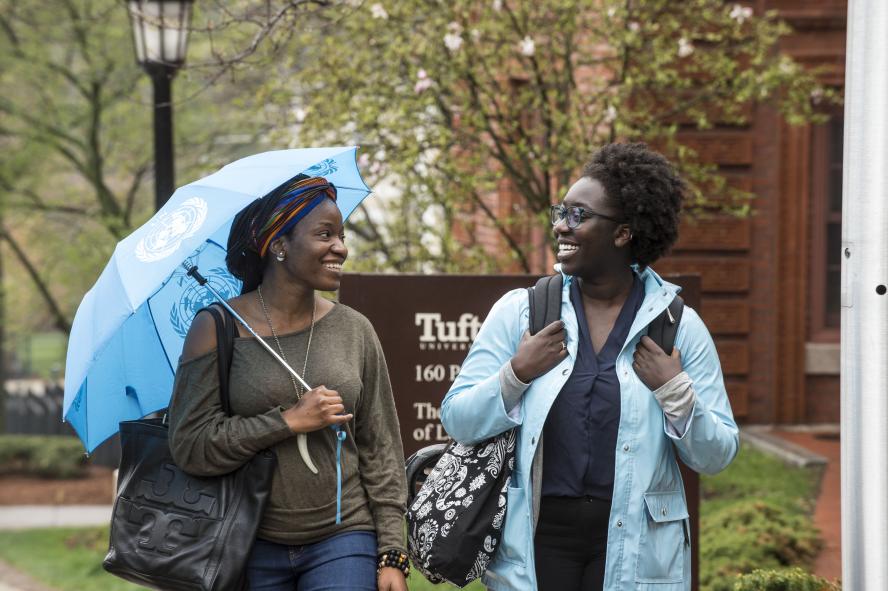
[864,301]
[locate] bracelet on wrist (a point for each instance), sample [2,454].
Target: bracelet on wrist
[394,559]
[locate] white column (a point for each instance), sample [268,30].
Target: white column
[864,301]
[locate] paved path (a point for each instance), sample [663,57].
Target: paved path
[13,580]
[35,516]
[32,516]
[828,513]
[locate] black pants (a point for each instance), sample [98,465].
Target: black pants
[570,544]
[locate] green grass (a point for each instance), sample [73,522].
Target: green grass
[756,515]
[65,559]
[417,582]
[71,559]
[754,475]
[42,354]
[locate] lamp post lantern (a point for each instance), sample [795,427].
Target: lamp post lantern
[160,34]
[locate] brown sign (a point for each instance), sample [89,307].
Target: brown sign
[426,324]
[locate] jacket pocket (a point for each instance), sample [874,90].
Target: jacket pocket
[663,538]
[513,543]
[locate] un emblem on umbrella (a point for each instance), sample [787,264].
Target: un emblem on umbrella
[169,229]
[196,297]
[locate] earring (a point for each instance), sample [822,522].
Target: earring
[280,257]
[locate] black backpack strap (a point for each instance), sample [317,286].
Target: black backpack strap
[226,331]
[664,327]
[545,302]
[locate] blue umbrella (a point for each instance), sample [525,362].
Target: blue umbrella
[129,329]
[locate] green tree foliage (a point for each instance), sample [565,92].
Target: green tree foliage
[76,131]
[453,100]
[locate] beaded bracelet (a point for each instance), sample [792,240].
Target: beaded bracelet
[394,559]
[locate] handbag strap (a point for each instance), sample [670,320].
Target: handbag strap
[226,331]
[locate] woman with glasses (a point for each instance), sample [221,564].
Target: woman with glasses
[596,498]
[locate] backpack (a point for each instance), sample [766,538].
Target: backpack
[544,299]
[454,522]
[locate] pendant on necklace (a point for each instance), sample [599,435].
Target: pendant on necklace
[302,444]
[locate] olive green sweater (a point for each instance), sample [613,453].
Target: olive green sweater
[345,356]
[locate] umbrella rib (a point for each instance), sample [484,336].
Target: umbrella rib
[159,339]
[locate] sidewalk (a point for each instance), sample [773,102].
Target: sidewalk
[13,580]
[828,513]
[32,516]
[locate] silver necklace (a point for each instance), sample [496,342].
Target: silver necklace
[299,391]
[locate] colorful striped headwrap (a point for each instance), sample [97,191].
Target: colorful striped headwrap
[299,198]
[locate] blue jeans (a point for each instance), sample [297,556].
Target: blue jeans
[344,561]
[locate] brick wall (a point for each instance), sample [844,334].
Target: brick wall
[755,284]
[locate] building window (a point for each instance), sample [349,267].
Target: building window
[826,235]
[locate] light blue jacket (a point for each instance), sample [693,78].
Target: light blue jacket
[648,545]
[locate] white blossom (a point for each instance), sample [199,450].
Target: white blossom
[453,41]
[634,26]
[528,46]
[685,47]
[612,12]
[476,34]
[786,66]
[817,95]
[610,114]
[378,11]
[423,82]
[740,13]
[299,114]
[497,5]
[363,160]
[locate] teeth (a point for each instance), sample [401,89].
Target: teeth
[334,266]
[567,248]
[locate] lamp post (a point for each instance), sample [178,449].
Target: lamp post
[160,34]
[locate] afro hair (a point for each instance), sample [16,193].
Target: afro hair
[646,188]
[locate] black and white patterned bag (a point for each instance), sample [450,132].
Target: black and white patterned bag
[455,522]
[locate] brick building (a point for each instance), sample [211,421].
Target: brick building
[770,281]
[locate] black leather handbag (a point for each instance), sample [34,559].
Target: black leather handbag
[174,531]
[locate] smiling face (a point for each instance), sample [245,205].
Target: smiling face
[315,250]
[597,245]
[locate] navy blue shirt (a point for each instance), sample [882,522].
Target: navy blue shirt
[581,429]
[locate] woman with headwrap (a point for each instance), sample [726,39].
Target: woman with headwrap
[285,247]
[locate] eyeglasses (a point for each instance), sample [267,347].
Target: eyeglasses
[574,215]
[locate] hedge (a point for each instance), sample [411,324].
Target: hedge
[52,456]
[752,535]
[793,579]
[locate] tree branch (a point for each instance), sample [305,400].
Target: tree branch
[501,228]
[60,320]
